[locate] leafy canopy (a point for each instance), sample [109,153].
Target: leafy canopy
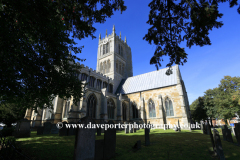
[35,43]
[173,22]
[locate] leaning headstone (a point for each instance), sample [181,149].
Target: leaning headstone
[84,148]
[99,144]
[23,129]
[54,129]
[224,134]
[126,128]
[237,132]
[229,135]
[147,140]
[63,131]
[137,145]
[109,142]
[47,127]
[218,144]
[39,130]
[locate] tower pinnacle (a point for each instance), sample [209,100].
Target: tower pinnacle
[125,39]
[120,35]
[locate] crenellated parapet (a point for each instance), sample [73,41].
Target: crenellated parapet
[93,73]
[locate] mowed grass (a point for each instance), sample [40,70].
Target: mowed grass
[165,144]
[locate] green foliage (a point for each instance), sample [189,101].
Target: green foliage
[35,44]
[11,113]
[199,112]
[173,22]
[227,99]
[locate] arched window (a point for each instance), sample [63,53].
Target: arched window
[152,111]
[91,106]
[169,107]
[117,66]
[67,105]
[108,66]
[124,111]
[110,108]
[101,67]
[135,111]
[104,67]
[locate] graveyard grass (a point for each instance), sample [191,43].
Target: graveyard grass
[164,144]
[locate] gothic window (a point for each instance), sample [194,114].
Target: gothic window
[108,66]
[104,49]
[91,106]
[110,89]
[105,84]
[84,77]
[134,111]
[121,51]
[120,68]
[110,108]
[104,67]
[124,111]
[169,107]
[117,66]
[92,81]
[48,113]
[152,111]
[99,83]
[101,67]
[67,105]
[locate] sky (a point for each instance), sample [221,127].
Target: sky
[205,66]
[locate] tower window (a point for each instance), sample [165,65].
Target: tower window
[104,49]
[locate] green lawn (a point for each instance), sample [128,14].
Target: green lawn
[183,145]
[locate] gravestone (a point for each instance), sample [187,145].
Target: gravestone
[202,127]
[224,134]
[229,136]
[72,130]
[40,130]
[137,145]
[84,148]
[99,131]
[99,144]
[126,128]
[218,144]
[109,142]
[63,131]
[54,129]
[130,128]
[147,140]
[237,132]
[22,129]
[47,127]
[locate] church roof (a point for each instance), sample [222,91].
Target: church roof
[148,81]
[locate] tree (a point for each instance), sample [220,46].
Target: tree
[200,112]
[228,97]
[35,43]
[11,113]
[209,102]
[173,22]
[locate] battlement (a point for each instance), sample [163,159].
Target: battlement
[94,73]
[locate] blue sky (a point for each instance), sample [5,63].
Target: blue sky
[206,65]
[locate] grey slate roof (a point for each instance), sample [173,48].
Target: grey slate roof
[147,81]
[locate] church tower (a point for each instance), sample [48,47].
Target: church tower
[114,58]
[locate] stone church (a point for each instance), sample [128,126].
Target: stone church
[113,93]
